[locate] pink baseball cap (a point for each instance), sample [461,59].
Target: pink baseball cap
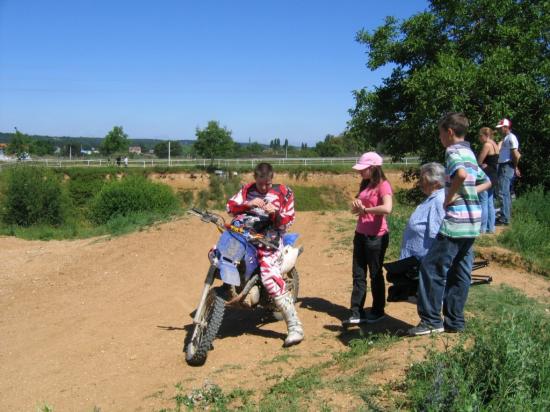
[367,160]
[504,122]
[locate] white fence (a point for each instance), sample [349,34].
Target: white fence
[220,163]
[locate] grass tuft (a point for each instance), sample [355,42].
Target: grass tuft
[529,233]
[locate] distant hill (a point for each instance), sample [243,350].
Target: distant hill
[88,142]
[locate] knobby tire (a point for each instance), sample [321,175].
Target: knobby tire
[197,349]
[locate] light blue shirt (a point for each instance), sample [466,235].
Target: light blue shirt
[423,226]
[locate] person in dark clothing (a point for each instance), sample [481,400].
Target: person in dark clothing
[488,161]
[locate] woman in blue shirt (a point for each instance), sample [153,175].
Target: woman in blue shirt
[424,223]
[421,230]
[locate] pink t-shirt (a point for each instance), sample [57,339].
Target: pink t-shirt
[369,224]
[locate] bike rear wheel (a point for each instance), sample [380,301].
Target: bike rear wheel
[204,332]
[292,280]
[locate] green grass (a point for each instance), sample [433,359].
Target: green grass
[298,391]
[397,222]
[210,397]
[501,363]
[284,357]
[319,198]
[529,232]
[362,346]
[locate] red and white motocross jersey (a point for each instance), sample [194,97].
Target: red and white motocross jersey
[279,196]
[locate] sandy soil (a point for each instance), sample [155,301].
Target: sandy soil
[101,322]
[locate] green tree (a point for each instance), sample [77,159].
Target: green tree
[213,141]
[161,149]
[115,141]
[275,144]
[41,147]
[332,146]
[486,58]
[19,143]
[253,149]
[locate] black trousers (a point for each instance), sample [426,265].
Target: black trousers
[368,252]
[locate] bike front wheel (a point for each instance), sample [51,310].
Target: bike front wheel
[204,332]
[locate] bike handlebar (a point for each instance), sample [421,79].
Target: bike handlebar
[219,221]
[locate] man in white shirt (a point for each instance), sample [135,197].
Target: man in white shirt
[508,160]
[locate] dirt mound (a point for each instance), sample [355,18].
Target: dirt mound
[101,322]
[348,182]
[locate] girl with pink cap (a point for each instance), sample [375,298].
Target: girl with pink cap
[371,205]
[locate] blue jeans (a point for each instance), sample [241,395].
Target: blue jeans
[486,199]
[505,176]
[445,275]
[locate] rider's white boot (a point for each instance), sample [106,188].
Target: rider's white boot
[295,331]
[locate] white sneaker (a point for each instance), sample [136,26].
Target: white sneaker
[354,320]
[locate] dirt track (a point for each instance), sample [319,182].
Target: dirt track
[101,322]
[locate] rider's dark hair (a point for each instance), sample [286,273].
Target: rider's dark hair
[263,170]
[376,176]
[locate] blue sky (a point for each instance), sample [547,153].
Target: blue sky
[263,69]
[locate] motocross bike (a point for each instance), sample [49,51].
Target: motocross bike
[234,261]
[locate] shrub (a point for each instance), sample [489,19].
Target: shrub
[220,189]
[411,197]
[187,197]
[33,195]
[216,189]
[130,195]
[83,187]
[231,185]
[203,199]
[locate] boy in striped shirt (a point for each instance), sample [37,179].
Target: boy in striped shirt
[445,272]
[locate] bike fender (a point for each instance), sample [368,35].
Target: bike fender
[290,255]
[290,238]
[229,273]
